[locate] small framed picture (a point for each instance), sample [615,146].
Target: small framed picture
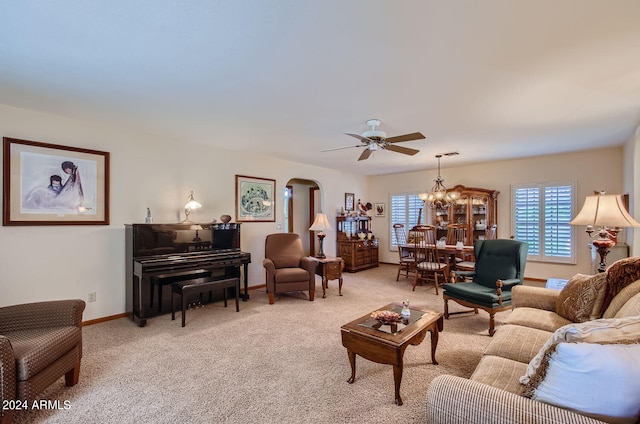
[378,209]
[349,202]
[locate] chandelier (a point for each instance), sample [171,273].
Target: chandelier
[439,197]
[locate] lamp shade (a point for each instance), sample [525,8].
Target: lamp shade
[604,210]
[192,203]
[320,223]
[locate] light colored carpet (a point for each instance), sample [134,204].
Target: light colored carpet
[281,363]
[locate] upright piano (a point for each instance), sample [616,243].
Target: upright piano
[160,249]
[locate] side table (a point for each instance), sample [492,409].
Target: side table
[329,268]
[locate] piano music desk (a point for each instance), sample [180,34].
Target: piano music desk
[186,287]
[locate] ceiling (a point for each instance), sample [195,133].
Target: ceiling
[492,79]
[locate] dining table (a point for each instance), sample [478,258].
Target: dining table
[451,249]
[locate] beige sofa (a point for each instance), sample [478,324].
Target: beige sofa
[494,393]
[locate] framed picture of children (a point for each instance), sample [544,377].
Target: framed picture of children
[50,184]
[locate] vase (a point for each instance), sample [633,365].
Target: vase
[225,218]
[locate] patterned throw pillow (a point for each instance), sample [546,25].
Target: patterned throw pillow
[581,299]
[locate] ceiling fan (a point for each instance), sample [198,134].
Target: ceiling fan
[373,139]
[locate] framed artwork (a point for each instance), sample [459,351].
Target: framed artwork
[49,184]
[378,209]
[255,200]
[348,201]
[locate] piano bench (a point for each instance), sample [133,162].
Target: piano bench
[198,285]
[171,277]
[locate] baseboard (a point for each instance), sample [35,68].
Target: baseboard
[104,319]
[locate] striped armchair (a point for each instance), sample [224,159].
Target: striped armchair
[39,343]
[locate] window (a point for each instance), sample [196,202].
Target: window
[405,209]
[541,216]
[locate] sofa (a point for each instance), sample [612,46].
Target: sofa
[39,343]
[529,372]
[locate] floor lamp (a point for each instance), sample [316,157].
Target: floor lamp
[321,224]
[608,213]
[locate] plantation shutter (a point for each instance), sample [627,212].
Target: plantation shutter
[527,218]
[557,215]
[541,215]
[405,209]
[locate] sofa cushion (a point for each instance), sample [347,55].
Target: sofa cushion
[600,330]
[598,380]
[621,299]
[517,342]
[536,318]
[581,299]
[630,308]
[499,372]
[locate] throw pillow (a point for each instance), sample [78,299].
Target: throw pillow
[598,380]
[581,299]
[599,330]
[619,275]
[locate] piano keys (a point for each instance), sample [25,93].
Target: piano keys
[176,249]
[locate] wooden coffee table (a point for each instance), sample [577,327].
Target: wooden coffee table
[386,344]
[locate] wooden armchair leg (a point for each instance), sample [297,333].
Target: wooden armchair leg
[446,308]
[312,294]
[492,324]
[272,298]
[72,376]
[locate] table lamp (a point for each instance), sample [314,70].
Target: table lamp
[606,211]
[320,223]
[191,205]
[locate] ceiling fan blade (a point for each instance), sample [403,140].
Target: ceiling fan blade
[400,149]
[365,154]
[405,137]
[340,148]
[361,138]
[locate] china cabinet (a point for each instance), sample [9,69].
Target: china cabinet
[356,244]
[476,208]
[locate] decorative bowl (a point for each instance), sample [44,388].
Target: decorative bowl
[225,218]
[386,317]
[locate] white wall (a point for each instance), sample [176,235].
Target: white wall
[593,170]
[632,186]
[57,262]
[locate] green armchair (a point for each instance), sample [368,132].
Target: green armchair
[499,267]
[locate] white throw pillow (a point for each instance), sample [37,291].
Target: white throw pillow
[599,330]
[598,380]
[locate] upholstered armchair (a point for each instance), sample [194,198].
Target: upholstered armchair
[287,268]
[499,267]
[39,343]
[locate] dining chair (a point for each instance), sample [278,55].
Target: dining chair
[429,262]
[456,233]
[407,261]
[469,263]
[490,233]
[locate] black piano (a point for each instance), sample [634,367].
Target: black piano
[154,250]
